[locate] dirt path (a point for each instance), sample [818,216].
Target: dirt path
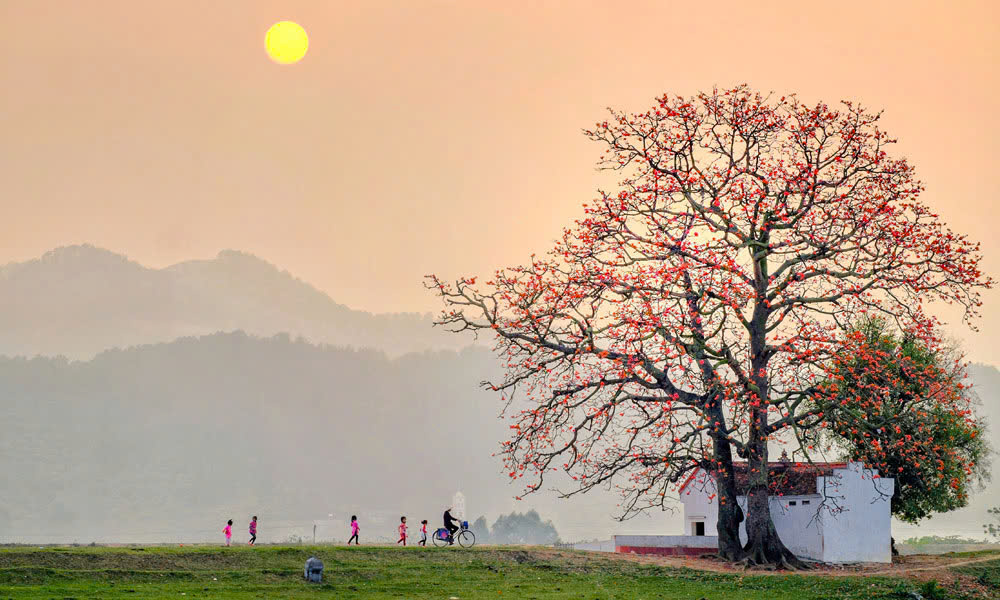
[943,563]
[905,566]
[917,568]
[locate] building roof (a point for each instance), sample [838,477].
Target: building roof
[784,478]
[787,478]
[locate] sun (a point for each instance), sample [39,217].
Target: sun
[286,42]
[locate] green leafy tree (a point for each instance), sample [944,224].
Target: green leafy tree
[523,528]
[482,530]
[900,405]
[993,529]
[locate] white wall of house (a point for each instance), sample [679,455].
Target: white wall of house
[700,504]
[599,546]
[857,526]
[797,522]
[666,541]
[847,520]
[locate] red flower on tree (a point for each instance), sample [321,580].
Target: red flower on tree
[695,311]
[900,406]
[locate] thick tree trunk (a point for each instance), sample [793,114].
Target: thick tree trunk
[763,547]
[730,513]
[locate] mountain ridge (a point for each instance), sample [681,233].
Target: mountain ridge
[185,430]
[79,300]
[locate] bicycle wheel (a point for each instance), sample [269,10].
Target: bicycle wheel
[438,540]
[466,539]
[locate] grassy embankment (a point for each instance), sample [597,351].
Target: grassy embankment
[382,572]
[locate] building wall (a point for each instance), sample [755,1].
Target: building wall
[857,518]
[667,545]
[847,520]
[599,546]
[699,502]
[798,525]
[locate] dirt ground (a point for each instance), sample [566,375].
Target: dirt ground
[916,567]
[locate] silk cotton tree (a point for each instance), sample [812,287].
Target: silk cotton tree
[693,312]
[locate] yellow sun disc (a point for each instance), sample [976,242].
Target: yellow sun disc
[286,42]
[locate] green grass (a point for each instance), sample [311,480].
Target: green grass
[383,572]
[986,573]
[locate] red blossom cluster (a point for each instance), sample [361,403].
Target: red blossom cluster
[701,303]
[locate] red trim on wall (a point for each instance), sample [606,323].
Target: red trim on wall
[665,551]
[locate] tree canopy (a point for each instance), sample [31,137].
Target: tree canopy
[523,528]
[993,528]
[901,406]
[694,311]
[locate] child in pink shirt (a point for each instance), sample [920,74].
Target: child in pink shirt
[253,531]
[229,532]
[354,531]
[423,533]
[402,530]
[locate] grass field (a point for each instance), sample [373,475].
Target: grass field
[384,572]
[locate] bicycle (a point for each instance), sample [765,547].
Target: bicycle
[464,536]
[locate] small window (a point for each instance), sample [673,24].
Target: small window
[805,503]
[699,528]
[791,503]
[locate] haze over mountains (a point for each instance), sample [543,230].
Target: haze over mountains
[77,301]
[166,439]
[188,432]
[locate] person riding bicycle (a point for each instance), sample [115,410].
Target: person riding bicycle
[450,525]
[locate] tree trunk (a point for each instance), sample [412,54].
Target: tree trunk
[763,546]
[730,513]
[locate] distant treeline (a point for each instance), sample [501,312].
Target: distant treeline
[516,528]
[177,436]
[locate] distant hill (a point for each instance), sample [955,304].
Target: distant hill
[165,441]
[174,438]
[80,300]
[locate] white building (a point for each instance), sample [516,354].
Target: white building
[828,512]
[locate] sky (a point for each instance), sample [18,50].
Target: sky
[445,137]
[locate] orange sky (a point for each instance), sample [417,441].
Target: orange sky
[434,136]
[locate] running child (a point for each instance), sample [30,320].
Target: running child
[402,531]
[229,532]
[355,528]
[423,533]
[253,531]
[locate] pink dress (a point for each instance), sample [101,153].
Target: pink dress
[228,531]
[354,528]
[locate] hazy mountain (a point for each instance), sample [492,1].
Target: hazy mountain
[164,442]
[79,300]
[177,437]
